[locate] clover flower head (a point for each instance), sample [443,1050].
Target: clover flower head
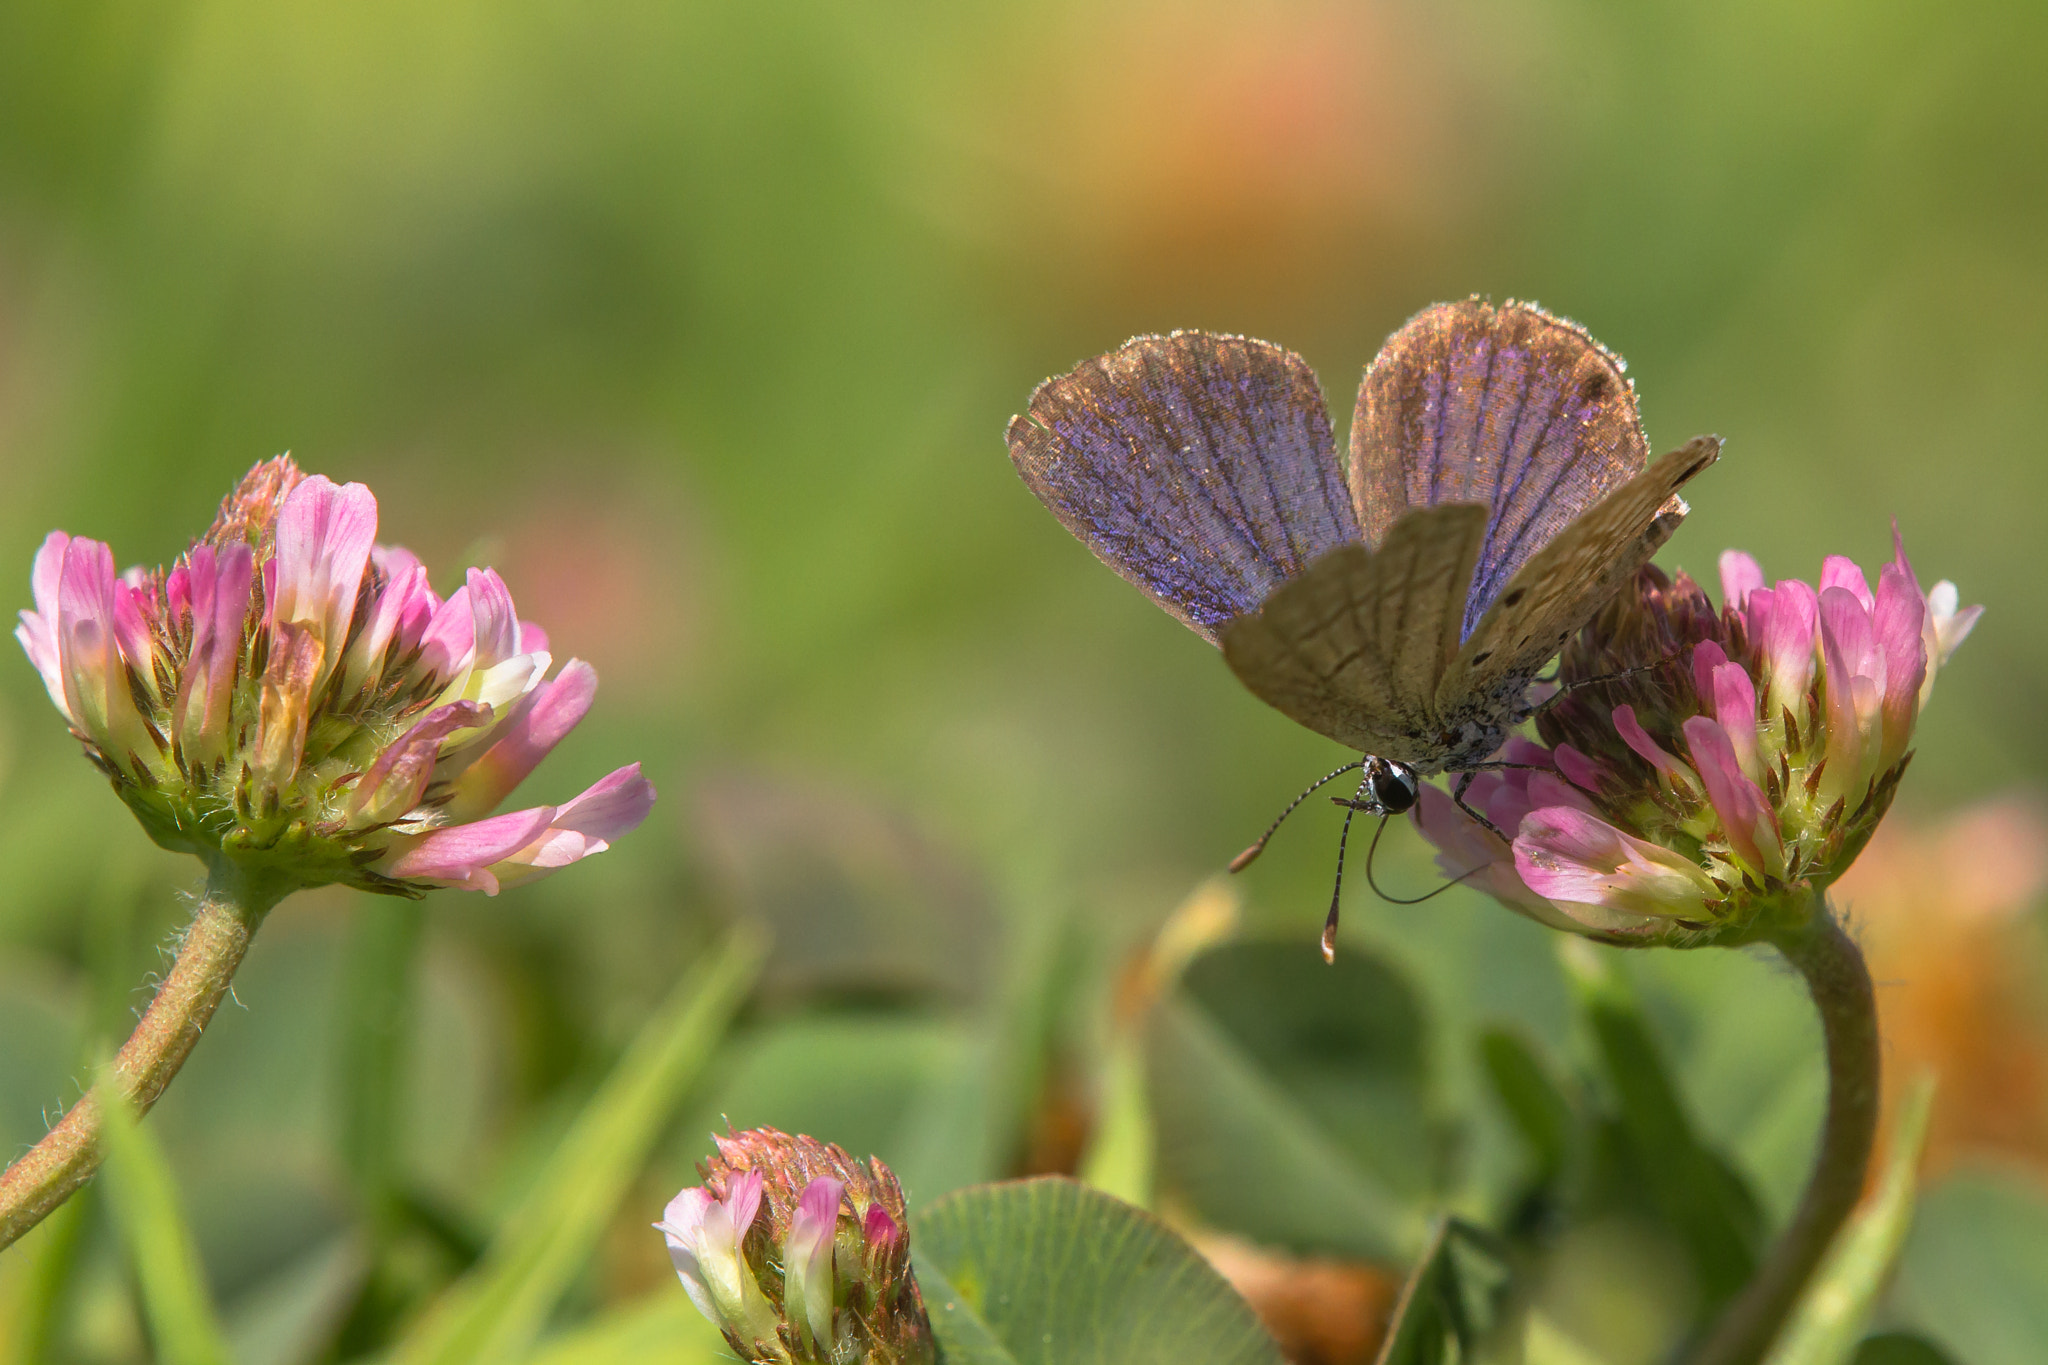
[1704,766]
[295,699]
[797,1253]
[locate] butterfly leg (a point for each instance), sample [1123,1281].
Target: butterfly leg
[1465,784]
[1568,688]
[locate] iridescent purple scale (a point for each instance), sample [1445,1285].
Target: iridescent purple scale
[1511,408]
[1200,467]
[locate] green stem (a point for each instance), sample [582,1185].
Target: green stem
[1840,984]
[211,949]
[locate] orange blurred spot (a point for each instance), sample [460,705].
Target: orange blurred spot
[1321,1312]
[1961,973]
[1268,145]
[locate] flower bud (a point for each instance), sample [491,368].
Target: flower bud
[797,1253]
[294,699]
[1703,767]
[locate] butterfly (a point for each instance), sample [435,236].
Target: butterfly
[1499,491]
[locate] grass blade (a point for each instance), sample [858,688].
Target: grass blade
[144,1203]
[664,1328]
[495,1312]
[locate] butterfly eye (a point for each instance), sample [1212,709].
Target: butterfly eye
[1395,788]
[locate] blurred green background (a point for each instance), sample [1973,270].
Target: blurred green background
[701,321]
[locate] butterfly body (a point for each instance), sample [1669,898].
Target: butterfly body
[1499,490]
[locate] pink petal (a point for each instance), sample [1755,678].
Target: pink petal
[1899,560]
[1740,576]
[324,535]
[1461,839]
[532,639]
[132,632]
[463,854]
[1836,571]
[1547,789]
[38,629]
[1944,627]
[1582,771]
[1632,734]
[614,806]
[178,587]
[394,560]
[1786,625]
[685,1214]
[1473,855]
[1847,632]
[234,568]
[520,846]
[1706,657]
[96,692]
[217,584]
[396,781]
[1500,795]
[448,643]
[48,572]
[398,617]
[496,630]
[1734,699]
[1746,817]
[878,1229]
[807,1258]
[1849,648]
[818,1205]
[544,717]
[1576,859]
[1899,624]
[743,1198]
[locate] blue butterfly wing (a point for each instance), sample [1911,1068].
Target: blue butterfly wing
[1508,407]
[1199,467]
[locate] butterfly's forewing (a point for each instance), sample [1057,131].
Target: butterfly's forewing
[1355,647]
[1507,407]
[1200,467]
[1571,578]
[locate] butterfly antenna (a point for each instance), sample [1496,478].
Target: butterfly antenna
[1244,859]
[1374,847]
[1337,891]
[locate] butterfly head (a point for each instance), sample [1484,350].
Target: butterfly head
[1394,786]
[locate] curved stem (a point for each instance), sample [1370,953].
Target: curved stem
[208,954]
[1840,983]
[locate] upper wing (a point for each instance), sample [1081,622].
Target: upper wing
[1199,467]
[1355,647]
[1571,578]
[1508,407]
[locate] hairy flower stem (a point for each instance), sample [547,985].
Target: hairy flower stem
[1840,983]
[211,949]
